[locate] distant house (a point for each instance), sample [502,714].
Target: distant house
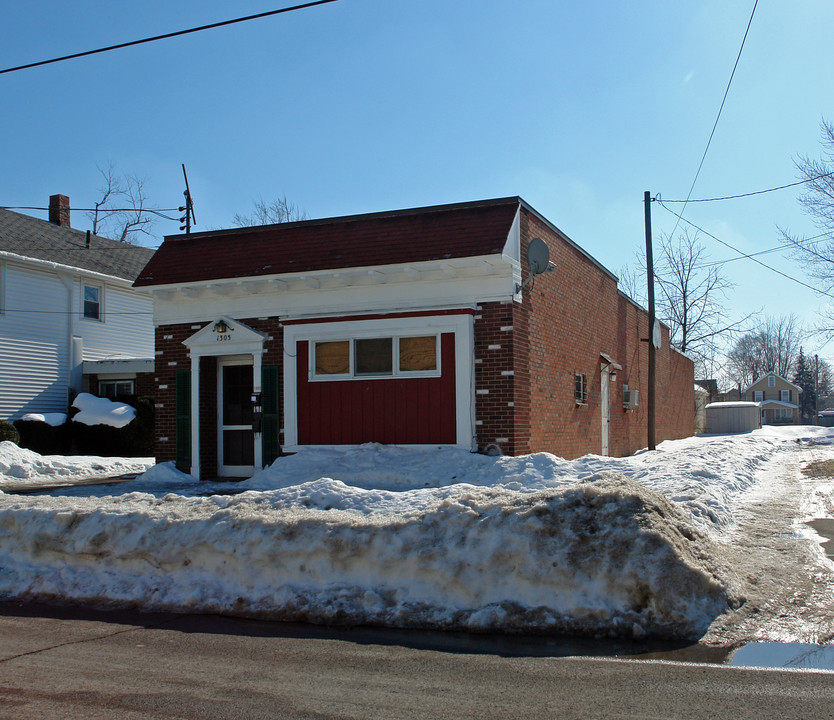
[70,320]
[779,398]
[411,327]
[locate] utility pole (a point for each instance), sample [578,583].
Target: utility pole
[816,389]
[647,200]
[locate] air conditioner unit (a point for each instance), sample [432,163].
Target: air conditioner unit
[631,398]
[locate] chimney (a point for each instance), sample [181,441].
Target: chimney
[59,210]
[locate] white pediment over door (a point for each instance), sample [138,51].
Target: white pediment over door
[225,336]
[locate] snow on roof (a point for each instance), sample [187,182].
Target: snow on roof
[733,404]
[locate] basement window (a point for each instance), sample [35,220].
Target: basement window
[375,357]
[580,388]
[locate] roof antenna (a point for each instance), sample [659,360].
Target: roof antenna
[188,208]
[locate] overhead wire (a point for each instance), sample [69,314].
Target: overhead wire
[742,254]
[166,36]
[755,192]
[718,117]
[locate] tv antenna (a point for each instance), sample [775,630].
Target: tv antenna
[188,208]
[538,261]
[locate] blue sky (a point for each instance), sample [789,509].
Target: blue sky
[366,105]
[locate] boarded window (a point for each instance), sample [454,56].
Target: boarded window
[418,353]
[333,358]
[374,356]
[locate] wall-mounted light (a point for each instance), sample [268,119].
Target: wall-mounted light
[220,327]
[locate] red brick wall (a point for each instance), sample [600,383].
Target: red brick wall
[567,319]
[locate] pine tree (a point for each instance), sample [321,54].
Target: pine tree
[804,377]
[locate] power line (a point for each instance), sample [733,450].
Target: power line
[743,255]
[718,117]
[777,248]
[166,36]
[756,192]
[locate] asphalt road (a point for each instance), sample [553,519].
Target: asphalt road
[66,663]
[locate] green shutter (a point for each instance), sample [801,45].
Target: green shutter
[183,455]
[270,421]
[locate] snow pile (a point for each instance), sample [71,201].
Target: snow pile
[101,411]
[53,419]
[602,556]
[24,468]
[413,538]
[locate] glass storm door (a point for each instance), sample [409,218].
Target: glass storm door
[236,439]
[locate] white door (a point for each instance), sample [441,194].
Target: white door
[235,436]
[605,406]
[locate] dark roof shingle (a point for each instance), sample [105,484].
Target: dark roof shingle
[34,238]
[401,236]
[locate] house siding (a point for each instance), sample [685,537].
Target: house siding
[34,350]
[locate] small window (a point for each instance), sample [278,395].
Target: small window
[113,388]
[580,388]
[92,302]
[785,395]
[758,395]
[771,381]
[374,356]
[332,358]
[418,354]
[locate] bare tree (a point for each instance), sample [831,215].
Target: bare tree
[817,253]
[690,297]
[277,211]
[123,211]
[772,347]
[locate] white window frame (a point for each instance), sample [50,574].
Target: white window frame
[396,372]
[580,395]
[100,288]
[785,395]
[771,381]
[758,396]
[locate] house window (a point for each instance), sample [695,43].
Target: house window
[771,381]
[376,357]
[332,358]
[758,395]
[785,395]
[580,388]
[92,302]
[113,388]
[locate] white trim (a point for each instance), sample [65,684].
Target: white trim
[462,325]
[395,374]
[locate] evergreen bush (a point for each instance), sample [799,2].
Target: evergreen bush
[9,432]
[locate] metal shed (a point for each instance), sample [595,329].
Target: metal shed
[733,417]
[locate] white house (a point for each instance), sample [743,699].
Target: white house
[69,318]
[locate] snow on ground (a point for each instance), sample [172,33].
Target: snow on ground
[411,538]
[20,468]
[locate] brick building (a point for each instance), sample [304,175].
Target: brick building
[411,327]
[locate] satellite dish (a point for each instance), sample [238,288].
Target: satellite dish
[538,256]
[538,260]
